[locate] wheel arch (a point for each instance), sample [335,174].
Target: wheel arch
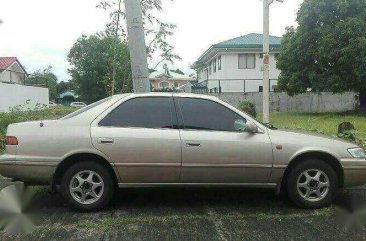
[330,159]
[81,157]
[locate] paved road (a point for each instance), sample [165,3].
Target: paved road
[188,214]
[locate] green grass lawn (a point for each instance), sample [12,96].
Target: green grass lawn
[322,123]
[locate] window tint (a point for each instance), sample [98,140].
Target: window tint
[202,114]
[148,112]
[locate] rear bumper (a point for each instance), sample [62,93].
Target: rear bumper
[26,171]
[354,172]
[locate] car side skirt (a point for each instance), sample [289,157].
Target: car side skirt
[249,185]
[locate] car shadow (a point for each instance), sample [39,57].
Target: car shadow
[194,198]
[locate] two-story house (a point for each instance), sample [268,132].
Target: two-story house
[236,65]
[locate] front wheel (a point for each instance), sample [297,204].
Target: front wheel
[312,184]
[87,186]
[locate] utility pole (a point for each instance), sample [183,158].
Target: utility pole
[115,48]
[266,62]
[137,46]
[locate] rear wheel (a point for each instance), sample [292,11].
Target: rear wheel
[312,184]
[87,186]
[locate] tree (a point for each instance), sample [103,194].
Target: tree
[44,78]
[156,30]
[327,51]
[91,58]
[63,87]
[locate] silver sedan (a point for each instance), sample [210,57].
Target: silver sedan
[161,139]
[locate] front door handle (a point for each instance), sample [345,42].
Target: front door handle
[193,144]
[105,141]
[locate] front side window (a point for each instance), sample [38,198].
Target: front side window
[214,66]
[219,62]
[246,61]
[145,112]
[200,114]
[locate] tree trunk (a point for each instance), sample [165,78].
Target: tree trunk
[363,100]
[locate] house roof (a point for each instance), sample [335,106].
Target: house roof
[68,93]
[170,75]
[6,62]
[251,41]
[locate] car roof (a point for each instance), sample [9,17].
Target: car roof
[166,94]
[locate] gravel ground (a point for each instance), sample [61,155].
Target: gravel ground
[191,214]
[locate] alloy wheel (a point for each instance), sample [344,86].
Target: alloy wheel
[86,187]
[313,185]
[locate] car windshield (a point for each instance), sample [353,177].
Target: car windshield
[86,108]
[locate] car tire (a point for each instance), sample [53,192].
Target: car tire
[312,184]
[87,186]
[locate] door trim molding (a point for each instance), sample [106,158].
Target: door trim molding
[148,164]
[199,165]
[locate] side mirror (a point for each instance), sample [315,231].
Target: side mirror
[251,127]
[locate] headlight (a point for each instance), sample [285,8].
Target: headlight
[357,152]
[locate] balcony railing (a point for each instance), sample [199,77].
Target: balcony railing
[235,85]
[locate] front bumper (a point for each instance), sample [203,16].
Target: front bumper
[29,172]
[354,171]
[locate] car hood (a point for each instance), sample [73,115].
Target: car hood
[302,140]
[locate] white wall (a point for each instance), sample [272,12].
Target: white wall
[232,78]
[324,102]
[12,95]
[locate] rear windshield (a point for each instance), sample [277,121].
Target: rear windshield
[86,108]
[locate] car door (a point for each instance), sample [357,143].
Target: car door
[215,149]
[140,138]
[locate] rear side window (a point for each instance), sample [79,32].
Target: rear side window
[200,114]
[145,112]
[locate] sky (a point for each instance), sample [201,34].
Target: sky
[41,32]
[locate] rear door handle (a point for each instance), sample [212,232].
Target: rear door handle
[193,144]
[105,141]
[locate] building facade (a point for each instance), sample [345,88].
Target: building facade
[11,71]
[236,65]
[168,80]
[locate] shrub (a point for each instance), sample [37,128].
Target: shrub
[248,107]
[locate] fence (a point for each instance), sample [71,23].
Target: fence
[28,97]
[304,103]
[233,86]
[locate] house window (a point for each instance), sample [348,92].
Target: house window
[260,89]
[219,62]
[246,61]
[164,85]
[209,68]
[214,66]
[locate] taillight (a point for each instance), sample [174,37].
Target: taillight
[11,141]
